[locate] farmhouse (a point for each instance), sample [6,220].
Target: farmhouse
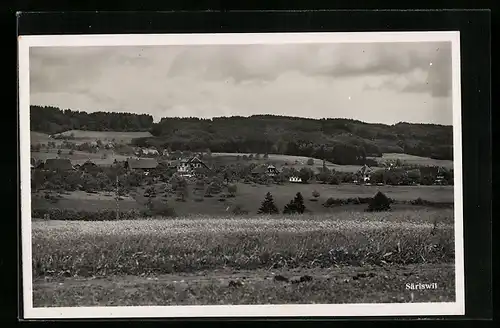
[365,172]
[58,164]
[141,164]
[109,145]
[150,151]
[270,170]
[189,166]
[295,179]
[440,176]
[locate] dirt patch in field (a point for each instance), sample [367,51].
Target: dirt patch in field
[330,285]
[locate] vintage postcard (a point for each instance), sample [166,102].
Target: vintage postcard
[241,175]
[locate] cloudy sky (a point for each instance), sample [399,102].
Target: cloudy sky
[372,82]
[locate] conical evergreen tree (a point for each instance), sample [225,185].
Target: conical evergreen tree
[296,205]
[268,206]
[379,203]
[299,203]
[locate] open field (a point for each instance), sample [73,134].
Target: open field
[250,197]
[80,157]
[296,162]
[414,160]
[107,263]
[82,201]
[81,136]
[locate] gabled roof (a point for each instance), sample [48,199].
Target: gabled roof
[89,163]
[194,159]
[58,164]
[365,169]
[142,163]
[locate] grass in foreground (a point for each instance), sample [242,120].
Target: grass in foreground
[87,249]
[328,286]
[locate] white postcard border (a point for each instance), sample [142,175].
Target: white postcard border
[330,310]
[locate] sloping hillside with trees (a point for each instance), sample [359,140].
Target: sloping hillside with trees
[341,141]
[52,120]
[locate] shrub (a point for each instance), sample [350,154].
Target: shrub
[239,210]
[334,179]
[333,202]
[268,206]
[75,215]
[159,208]
[315,194]
[200,184]
[214,188]
[310,161]
[232,189]
[305,174]
[379,203]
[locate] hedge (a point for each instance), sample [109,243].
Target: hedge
[74,215]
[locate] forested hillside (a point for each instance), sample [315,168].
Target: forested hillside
[342,141]
[54,120]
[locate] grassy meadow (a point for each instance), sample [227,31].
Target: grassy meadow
[103,157]
[296,162]
[177,261]
[207,255]
[414,160]
[81,136]
[249,197]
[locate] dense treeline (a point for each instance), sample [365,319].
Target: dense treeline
[54,120]
[342,141]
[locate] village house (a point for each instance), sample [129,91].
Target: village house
[141,164]
[187,167]
[150,152]
[364,174]
[440,176]
[58,164]
[270,170]
[109,145]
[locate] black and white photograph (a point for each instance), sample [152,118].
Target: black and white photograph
[218,175]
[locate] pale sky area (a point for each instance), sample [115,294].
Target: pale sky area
[371,82]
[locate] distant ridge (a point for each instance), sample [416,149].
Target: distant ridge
[340,140]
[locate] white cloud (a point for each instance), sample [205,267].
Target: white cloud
[207,81]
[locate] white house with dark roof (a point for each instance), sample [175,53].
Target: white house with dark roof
[187,167]
[365,172]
